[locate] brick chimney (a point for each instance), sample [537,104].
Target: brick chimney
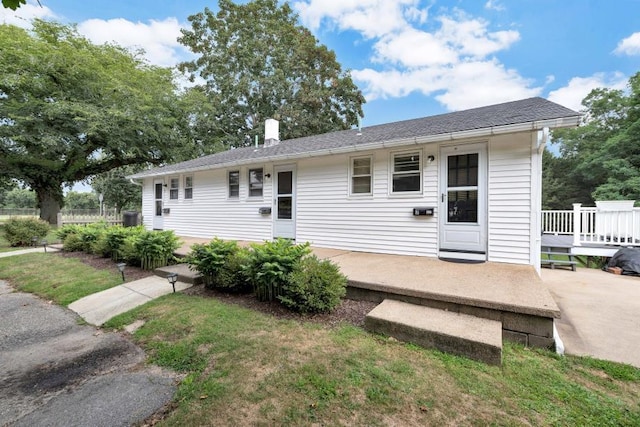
[271,132]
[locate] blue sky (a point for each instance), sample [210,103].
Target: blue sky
[413,58]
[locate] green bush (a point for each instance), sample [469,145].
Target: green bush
[127,251]
[220,264]
[268,265]
[115,237]
[314,286]
[21,231]
[72,243]
[65,230]
[156,248]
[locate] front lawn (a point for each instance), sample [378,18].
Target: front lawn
[242,367]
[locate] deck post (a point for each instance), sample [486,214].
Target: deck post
[576,223]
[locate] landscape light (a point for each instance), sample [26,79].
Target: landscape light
[44,245]
[173,278]
[121,266]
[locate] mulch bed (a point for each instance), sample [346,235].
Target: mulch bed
[349,311]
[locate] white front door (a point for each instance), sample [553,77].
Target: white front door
[463,201]
[158,190]
[284,193]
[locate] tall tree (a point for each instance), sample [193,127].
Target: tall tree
[601,158]
[258,63]
[70,109]
[77,200]
[118,191]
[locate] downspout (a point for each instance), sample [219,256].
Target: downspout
[540,142]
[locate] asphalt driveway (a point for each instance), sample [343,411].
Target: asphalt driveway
[600,313]
[56,372]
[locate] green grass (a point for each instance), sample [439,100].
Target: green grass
[245,368]
[63,280]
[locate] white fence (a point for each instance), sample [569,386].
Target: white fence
[611,223]
[73,218]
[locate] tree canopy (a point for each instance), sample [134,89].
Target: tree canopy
[599,160]
[258,63]
[70,109]
[118,191]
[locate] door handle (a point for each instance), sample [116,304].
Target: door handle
[442,198]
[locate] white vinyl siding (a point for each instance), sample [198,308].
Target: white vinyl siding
[510,198]
[381,223]
[211,214]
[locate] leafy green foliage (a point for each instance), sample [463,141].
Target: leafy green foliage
[21,231]
[77,200]
[269,264]
[220,264]
[156,248]
[601,158]
[13,4]
[314,286]
[258,63]
[20,198]
[71,109]
[116,189]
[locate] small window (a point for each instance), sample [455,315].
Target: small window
[234,183]
[255,182]
[173,188]
[361,175]
[407,173]
[188,187]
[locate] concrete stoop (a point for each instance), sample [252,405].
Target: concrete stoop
[461,334]
[185,274]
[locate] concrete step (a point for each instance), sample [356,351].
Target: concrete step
[456,333]
[185,274]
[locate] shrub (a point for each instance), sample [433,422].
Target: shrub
[314,286]
[127,251]
[65,230]
[72,243]
[220,264]
[156,248]
[21,231]
[115,237]
[268,265]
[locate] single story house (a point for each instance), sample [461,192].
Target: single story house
[464,185]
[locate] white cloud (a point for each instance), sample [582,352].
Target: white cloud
[578,88]
[629,46]
[22,16]
[494,5]
[157,38]
[449,56]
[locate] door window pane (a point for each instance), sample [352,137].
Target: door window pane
[463,170]
[158,207]
[158,191]
[285,181]
[463,206]
[284,207]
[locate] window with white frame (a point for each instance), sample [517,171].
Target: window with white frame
[173,188]
[406,173]
[255,182]
[361,175]
[234,184]
[188,187]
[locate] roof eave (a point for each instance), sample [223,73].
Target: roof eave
[560,122]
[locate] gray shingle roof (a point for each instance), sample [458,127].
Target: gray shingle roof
[509,113]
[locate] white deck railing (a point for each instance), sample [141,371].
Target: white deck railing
[595,225]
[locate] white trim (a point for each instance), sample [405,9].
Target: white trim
[482,133]
[185,188]
[228,184]
[169,188]
[248,174]
[469,256]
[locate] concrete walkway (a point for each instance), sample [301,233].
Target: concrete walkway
[27,251]
[102,306]
[600,313]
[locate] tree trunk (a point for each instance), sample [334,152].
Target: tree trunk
[49,206]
